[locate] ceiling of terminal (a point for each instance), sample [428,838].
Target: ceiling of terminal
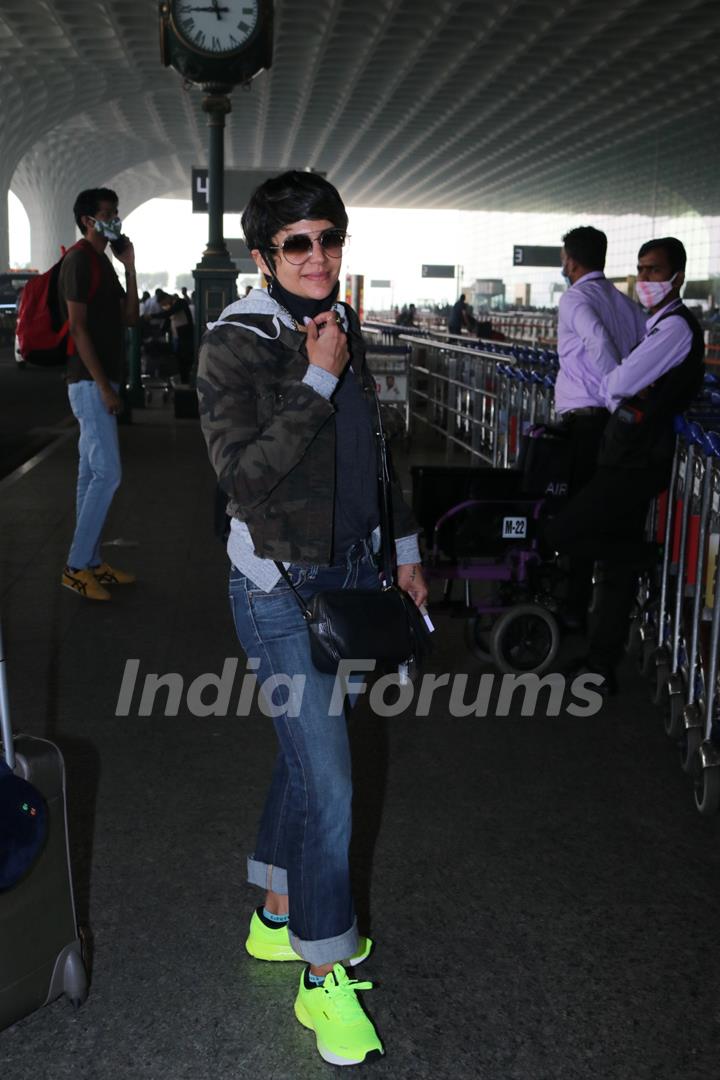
[473,104]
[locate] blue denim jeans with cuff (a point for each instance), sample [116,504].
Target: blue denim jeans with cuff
[99,471]
[303,841]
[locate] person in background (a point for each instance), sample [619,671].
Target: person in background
[177,310]
[458,317]
[153,306]
[97,309]
[597,327]
[606,518]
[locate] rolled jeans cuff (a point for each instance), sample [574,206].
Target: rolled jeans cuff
[270,878]
[327,950]
[323,951]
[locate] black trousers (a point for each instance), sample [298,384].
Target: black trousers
[584,436]
[606,520]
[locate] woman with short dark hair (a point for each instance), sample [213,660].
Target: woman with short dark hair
[286,405]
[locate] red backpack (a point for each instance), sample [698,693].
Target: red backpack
[43,336]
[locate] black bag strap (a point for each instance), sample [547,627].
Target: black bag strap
[386,530]
[306,613]
[385,507]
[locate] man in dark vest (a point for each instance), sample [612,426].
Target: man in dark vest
[657,380]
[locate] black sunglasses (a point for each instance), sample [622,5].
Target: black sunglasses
[298,247]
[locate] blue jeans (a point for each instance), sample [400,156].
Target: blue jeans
[304,835]
[99,471]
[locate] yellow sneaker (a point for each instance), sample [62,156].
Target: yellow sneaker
[344,1033]
[108,575]
[84,583]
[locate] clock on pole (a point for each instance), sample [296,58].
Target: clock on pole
[220,42]
[216,44]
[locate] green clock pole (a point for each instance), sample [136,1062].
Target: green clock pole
[215,275]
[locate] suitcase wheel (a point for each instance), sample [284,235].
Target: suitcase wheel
[75,979]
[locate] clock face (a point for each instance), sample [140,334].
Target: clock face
[217,27]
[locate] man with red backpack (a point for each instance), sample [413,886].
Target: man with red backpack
[97,310]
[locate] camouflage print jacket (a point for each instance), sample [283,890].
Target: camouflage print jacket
[271,436]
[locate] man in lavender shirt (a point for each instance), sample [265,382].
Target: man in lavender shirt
[657,379]
[597,327]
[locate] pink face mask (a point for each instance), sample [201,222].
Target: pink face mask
[652,293]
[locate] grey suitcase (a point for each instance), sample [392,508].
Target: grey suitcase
[41,954]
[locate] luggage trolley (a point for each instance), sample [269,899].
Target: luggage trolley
[484,402]
[705,760]
[692,722]
[679,687]
[645,636]
[510,404]
[525,397]
[673,524]
[390,367]
[158,369]
[660,629]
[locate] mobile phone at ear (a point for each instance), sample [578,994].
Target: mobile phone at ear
[119,245]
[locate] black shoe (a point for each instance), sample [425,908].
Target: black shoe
[584,665]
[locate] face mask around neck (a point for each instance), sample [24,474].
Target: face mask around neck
[300,306]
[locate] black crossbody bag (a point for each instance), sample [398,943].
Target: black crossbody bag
[366,624]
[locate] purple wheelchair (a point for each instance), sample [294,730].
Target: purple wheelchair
[481,529]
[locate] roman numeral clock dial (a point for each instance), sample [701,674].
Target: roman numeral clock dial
[216,42]
[217,27]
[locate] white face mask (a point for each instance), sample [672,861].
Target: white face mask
[111,230]
[652,293]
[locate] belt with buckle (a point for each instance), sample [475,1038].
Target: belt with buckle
[587,410]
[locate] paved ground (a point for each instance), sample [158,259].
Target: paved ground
[33,405]
[543,894]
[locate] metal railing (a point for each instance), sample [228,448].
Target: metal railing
[533,328]
[482,397]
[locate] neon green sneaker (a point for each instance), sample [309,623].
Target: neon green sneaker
[344,1033]
[267,943]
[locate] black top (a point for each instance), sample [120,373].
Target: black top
[455,319]
[105,320]
[356,510]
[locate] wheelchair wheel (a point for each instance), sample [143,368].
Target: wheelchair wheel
[525,639]
[477,636]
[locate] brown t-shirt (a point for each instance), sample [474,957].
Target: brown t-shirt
[104,312]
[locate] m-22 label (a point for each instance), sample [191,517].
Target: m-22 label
[514,528]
